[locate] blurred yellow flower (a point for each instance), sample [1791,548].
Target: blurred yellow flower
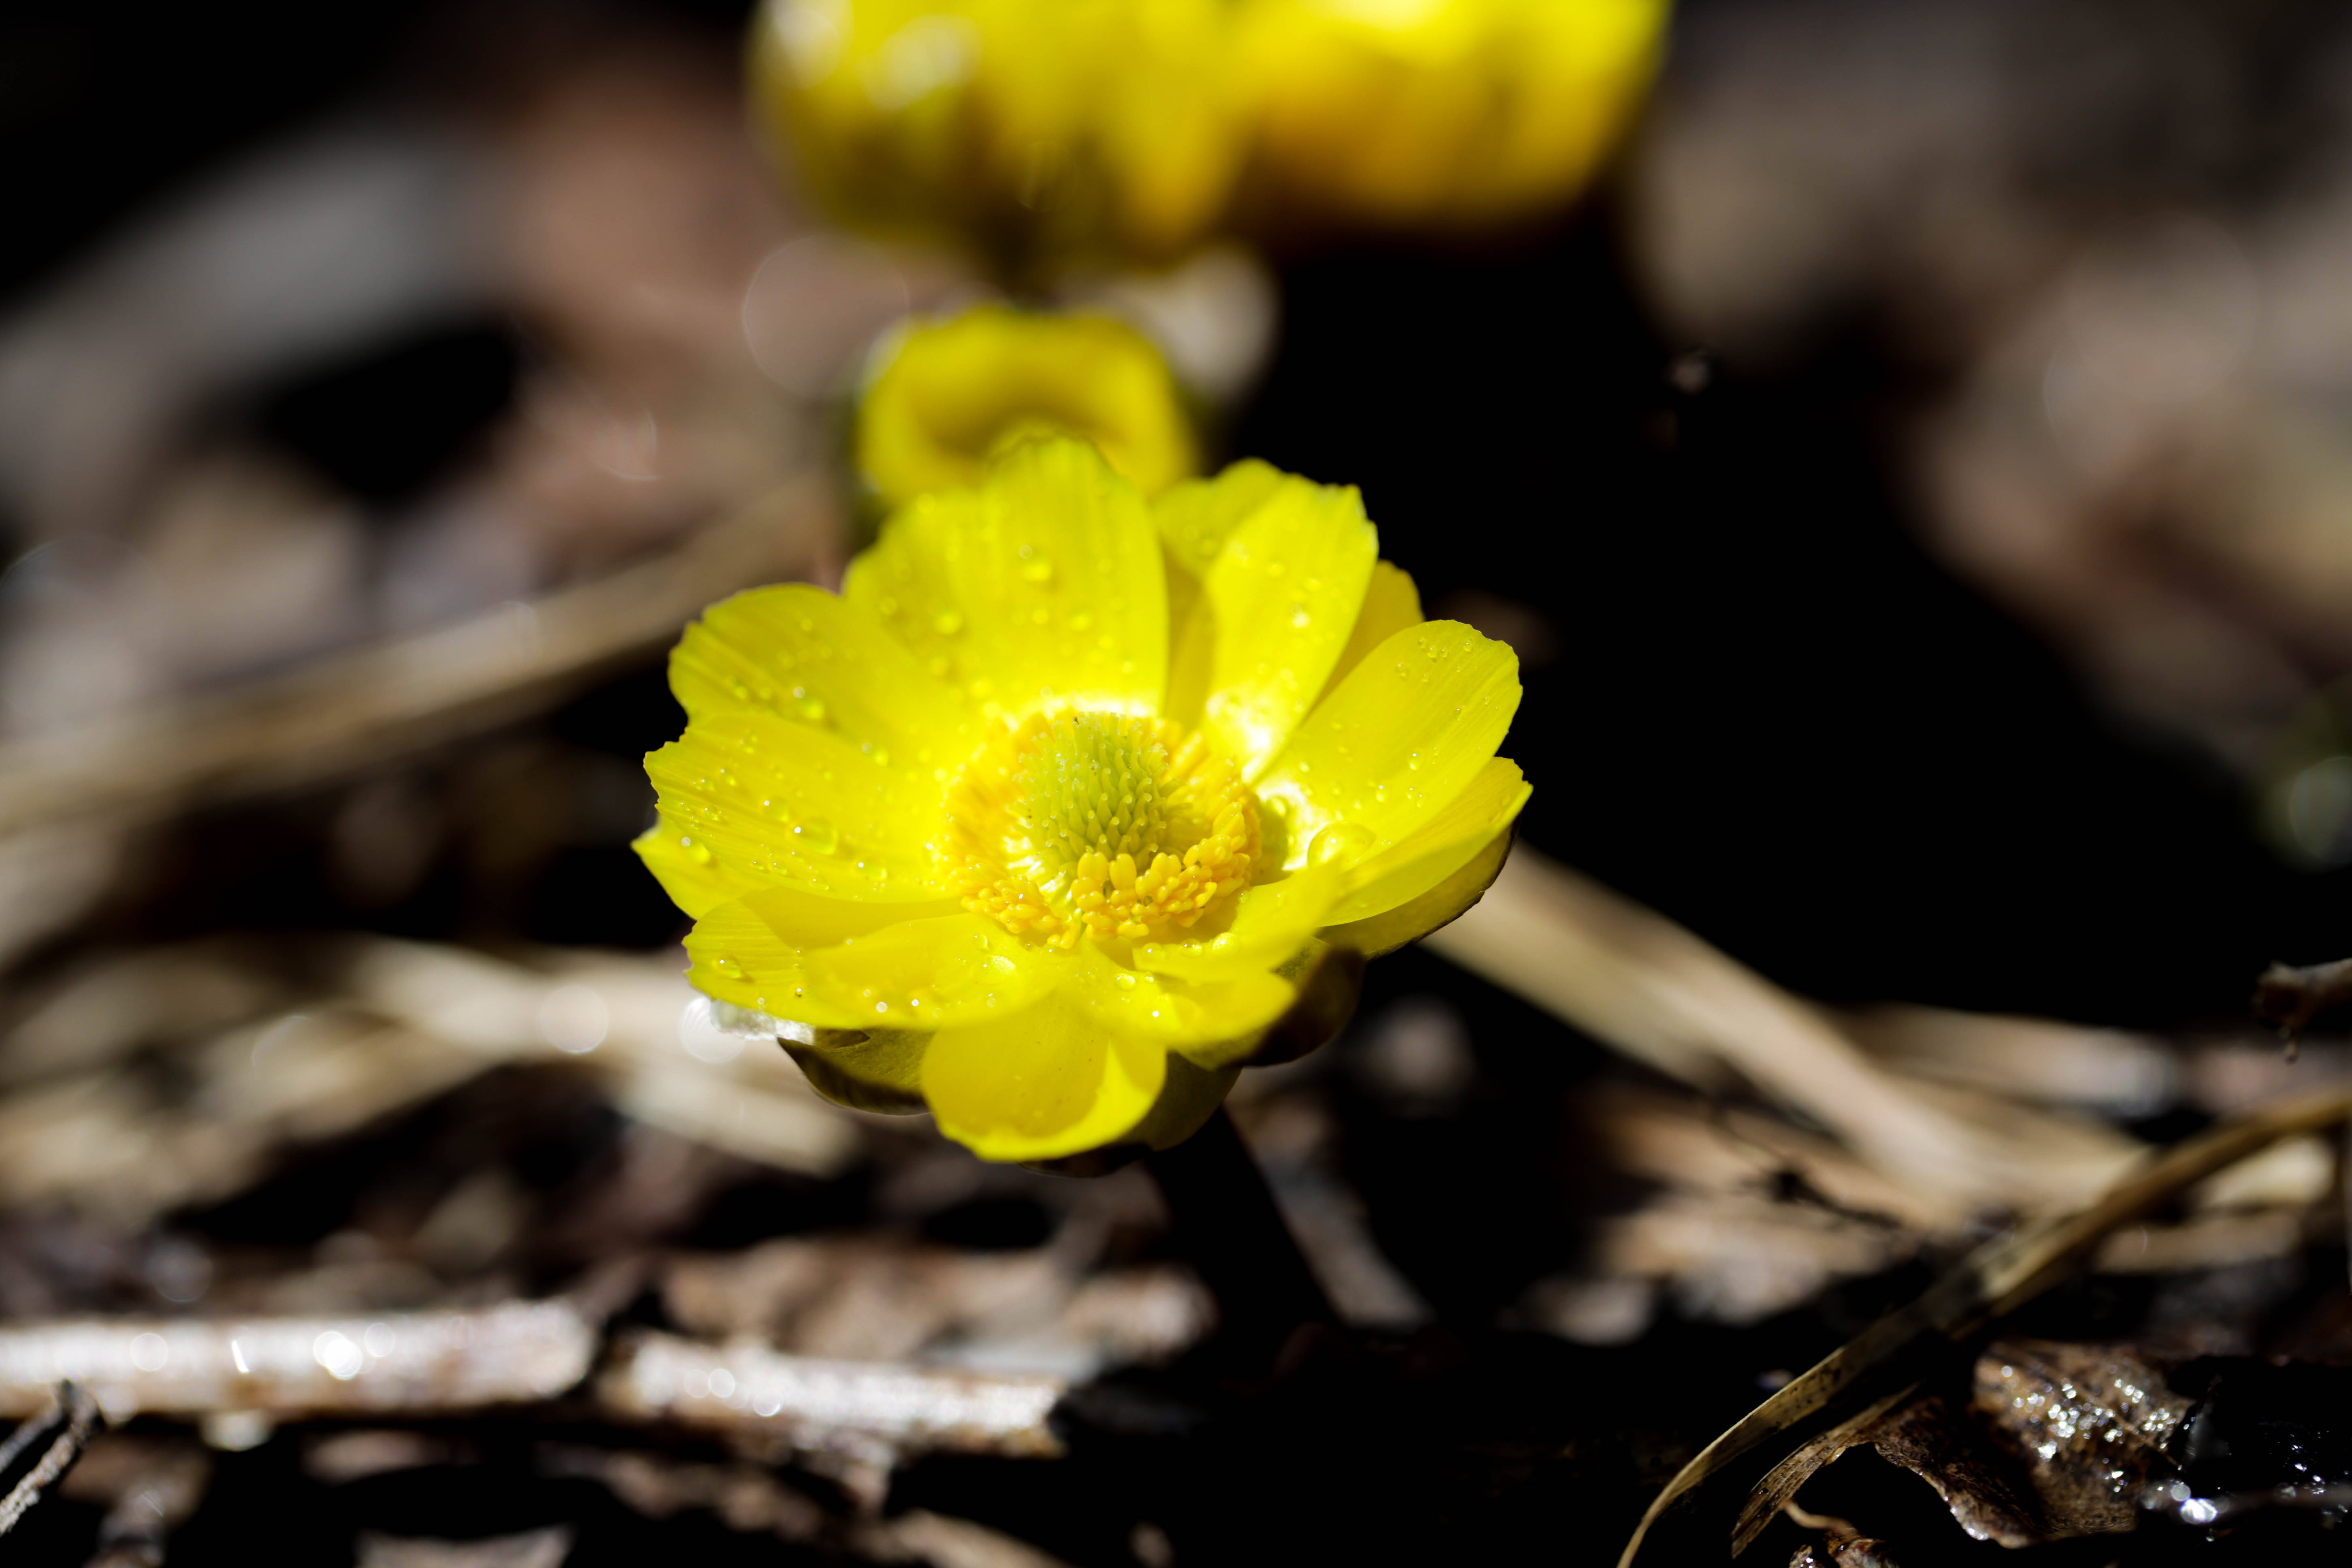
[1441,112]
[1069,798]
[1028,126]
[944,396]
[1062,129]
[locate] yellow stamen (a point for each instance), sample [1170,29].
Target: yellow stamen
[1103,825]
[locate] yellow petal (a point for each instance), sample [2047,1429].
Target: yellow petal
[1212,1021]
[1402,735]
[759,800]
[694,885]
[870,966]
[1040,1084]
[1045,585]
[1416,917]
[1269,924]
[1405,871]
[1195,519]
[1275,609]
[797,653]
[1390,604]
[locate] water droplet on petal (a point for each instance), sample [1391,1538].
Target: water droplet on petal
[1341,844]
[818,836]
[947,623]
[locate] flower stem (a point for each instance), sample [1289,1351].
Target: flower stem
[1226,1223]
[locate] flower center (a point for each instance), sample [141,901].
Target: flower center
[1101,824]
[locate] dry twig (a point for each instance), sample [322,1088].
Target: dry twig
[859,1411]
[407,1022]
[68,1420]
[344,713]
[1860,1381]
[1635,980]
[516,1352]
[2292,997]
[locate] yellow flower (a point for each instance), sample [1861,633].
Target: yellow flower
[1028,126]
[1068,799]
[1041,131]
[1440,112]
[944,396]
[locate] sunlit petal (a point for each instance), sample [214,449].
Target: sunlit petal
[750,799]
[926,973]
[1211,1020]
[1401,736]
[1391,603]
[1269,924]
[1044,586]
[799,655]
[1439,847]
[1275,606]
[1417,917]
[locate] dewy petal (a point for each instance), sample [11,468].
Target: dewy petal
[1402,735]
[797,653]
[751,799]
[1270,923]
[893,972]
[1415,919]
[1195,519]
[1212,1022]
[1275,609]
[1439,847]
[1268,573]
[1390,604]
[1046,584]
[1040,1084]
[695,885]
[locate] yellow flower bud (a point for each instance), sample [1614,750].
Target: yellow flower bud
[944,397]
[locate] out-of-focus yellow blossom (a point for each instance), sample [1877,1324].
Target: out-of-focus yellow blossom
[1070,799]
[1438,111]
[943,397]
[1079,128]
[1028,127]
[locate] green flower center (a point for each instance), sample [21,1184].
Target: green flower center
[1092,782]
